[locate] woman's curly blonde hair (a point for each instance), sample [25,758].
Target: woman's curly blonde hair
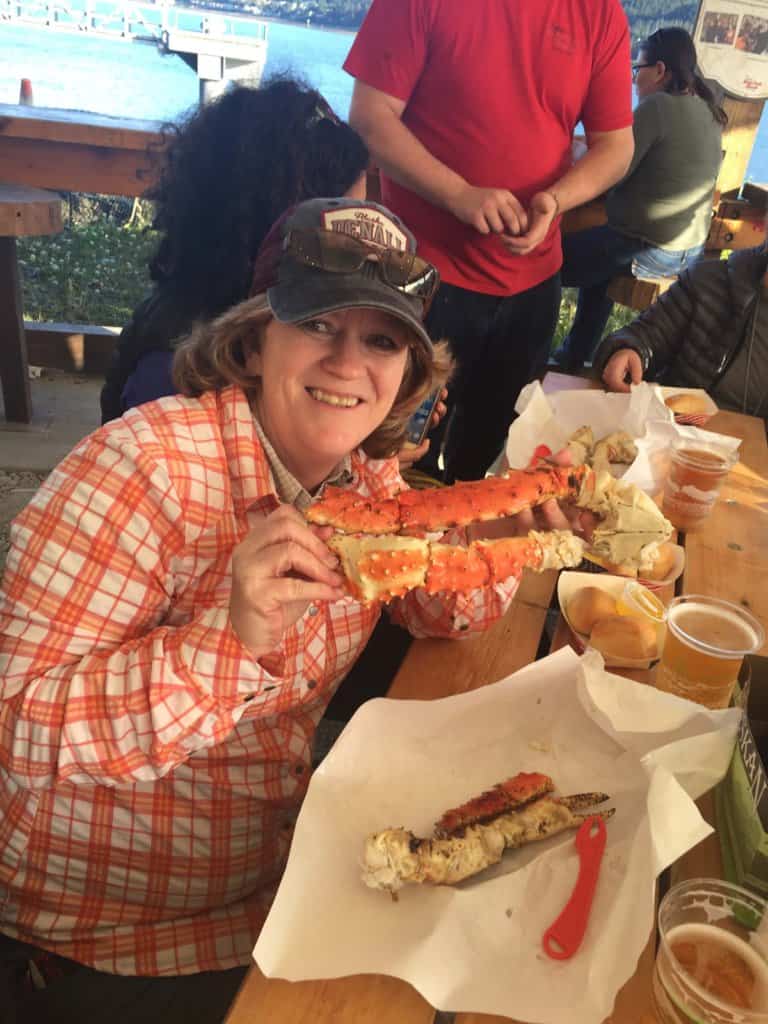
[213,356]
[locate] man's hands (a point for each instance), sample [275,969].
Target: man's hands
[280,567]
[497,211]
[489,210]
[623,364]
[543,210]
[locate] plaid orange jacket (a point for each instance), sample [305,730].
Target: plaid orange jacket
[151,770]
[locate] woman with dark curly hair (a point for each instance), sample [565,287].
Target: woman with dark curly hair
[228,172]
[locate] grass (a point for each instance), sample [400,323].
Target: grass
[95,271]
[620,316]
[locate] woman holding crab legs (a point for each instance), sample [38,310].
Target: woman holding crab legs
[171,628]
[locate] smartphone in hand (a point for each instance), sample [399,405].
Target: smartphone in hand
[421,421]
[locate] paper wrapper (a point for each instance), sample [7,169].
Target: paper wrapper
[477,946]
[551,419]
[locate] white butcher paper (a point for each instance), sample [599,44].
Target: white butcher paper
[476,947]
[552,419]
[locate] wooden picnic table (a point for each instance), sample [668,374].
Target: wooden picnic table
[728,558]
[77,151]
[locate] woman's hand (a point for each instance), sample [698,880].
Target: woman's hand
[622,364]
[409,454]
[277,571]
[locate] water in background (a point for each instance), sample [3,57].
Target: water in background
[135,80]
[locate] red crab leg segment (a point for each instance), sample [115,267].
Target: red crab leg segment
[381,568]
[438,509]
[493,498]
[457,568]
[506,796]
[350,512]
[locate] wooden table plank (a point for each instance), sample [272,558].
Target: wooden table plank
[362,999]
[77,151]
[730,553]
[442,668]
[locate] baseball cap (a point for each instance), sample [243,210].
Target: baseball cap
[327,254]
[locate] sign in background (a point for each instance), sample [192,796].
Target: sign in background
[731,39]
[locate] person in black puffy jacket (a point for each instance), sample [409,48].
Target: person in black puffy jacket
[228,172]
[709,330]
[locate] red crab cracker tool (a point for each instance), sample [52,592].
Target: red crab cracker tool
[563,938]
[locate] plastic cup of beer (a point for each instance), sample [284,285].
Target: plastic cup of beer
[704,646]
[697,470]
[711,959]
[638,602]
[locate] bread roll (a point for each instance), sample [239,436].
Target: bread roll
[587,606]
[622,636]
[665,561]
[687,404]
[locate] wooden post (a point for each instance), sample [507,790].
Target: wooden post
[14,372]
[738,140]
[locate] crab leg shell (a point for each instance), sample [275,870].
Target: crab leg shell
[437,509]
[503,797]
[355,513]
[455,568]
[395,856]
[629,519]
[580,801]
[442,508]
[382,568]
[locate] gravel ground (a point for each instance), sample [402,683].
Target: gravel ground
[16,489]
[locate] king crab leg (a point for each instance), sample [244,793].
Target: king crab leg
[505,796]
[629,529]
[382,568]
[437,509]
[396,856]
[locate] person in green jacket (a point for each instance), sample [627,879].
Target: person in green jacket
[659,214]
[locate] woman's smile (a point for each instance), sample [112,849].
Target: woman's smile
[333,398]
[327,384]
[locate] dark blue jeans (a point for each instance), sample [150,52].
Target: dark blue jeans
[500,343]
[591,259]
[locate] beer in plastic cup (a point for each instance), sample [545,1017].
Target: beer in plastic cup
[710,964]
[705,643]
[696,473]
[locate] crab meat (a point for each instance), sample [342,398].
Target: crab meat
[382,568]
[396,856]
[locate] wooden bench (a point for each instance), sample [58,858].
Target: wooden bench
[638,292]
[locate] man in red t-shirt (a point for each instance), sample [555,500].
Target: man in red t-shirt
[469,111]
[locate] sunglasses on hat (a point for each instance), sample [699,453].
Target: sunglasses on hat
[339,253]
